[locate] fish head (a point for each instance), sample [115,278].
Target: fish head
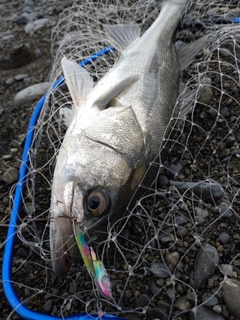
[96,174]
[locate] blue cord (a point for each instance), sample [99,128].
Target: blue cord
[8,287]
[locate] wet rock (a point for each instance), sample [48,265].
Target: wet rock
[31,93]
[230,294]
[159,270]
[11,175]
[203,313]
[206,261]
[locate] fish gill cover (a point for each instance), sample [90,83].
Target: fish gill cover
[175,254]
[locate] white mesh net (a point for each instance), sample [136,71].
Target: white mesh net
[175,255]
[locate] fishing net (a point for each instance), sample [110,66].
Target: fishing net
[175,253]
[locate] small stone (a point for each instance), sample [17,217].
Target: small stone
[19,77]
[174,169]
[142,301]
[7,157]
[226,269]
[28,208]
[182,304]
[230,292]
[224,153]
[206,261]
[224,210]
[209,300]
[172,258]
[217,309]
[9,81]
[182,231]
[31,93]
[159,270]
[204,313]
[48,305]
[28,27]
[43,21]
[162,181]
[22,253]
[167,239]
[224,238]
[11,175]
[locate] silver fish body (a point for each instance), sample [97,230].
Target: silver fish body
[115,131]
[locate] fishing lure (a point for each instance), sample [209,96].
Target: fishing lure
[95,267]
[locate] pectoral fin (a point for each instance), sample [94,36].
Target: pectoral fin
[64,250]
[114,91]
[78,80]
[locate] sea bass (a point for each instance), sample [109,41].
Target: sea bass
[114,133]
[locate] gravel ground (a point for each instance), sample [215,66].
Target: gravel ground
[178,254]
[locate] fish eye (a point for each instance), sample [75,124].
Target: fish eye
[98,201]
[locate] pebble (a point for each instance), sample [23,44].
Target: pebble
[48,306]
[159,270]
[205,91]
[224,153]
[19,77]
[142,301]
[230,292]
[29,208]
[204,313]
[224,210]
[174,169]
[209,300]
[226,269]
[22,252]
[182,303]
[172,258]
[206,261]
[224,238]
[30,93]
[11,175]
[9,81]
[162,312]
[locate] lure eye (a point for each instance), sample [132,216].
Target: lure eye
[98,202]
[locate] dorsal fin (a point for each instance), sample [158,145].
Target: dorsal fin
[123,35]
[78,80]
[113,91]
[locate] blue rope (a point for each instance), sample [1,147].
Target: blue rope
[8,287]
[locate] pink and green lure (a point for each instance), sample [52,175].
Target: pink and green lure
[95,267]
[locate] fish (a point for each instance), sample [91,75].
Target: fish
[114,132]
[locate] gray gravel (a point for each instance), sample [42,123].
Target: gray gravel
[178,254]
